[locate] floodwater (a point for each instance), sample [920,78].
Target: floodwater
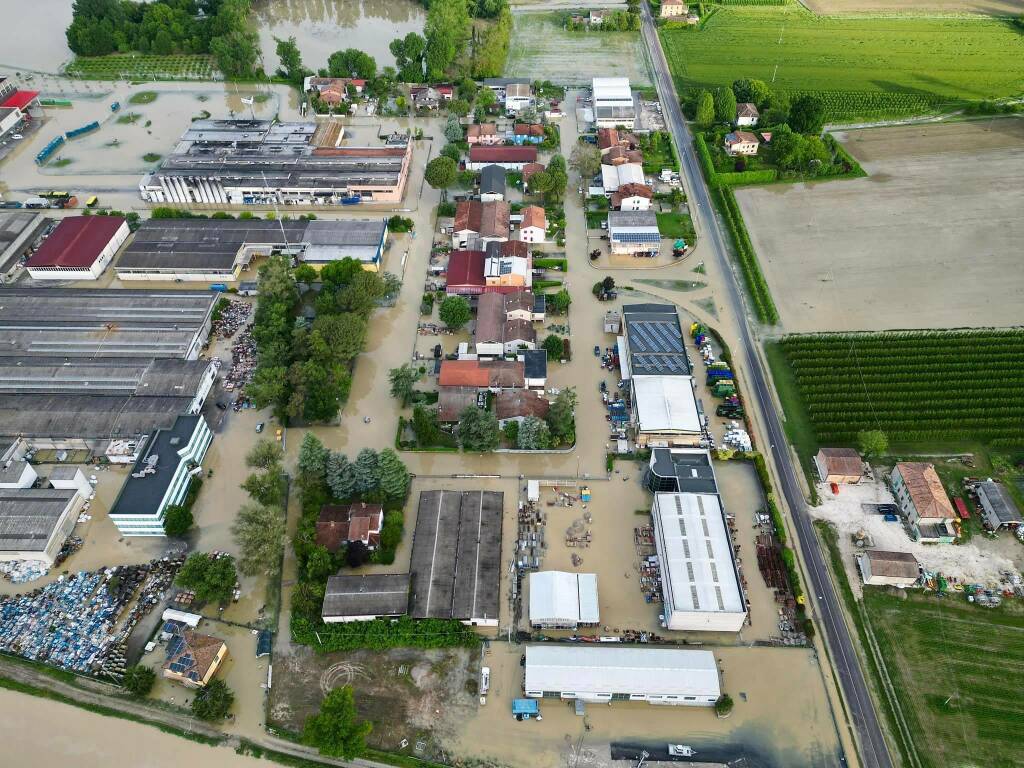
[36,42]
[321,27]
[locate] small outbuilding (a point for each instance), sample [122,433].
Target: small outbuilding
[562,600]
[881,568]
[997,506]
[839,465]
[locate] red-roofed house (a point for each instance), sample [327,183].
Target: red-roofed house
[632,197]
[488,222]
[534,225]
[517,404]
[484,134]
[21,100]
[492,374]
[80,248]
[343,523]
[529,169]
[509,158]
[465,273]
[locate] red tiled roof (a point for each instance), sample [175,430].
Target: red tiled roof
[340,523]
[533,216]
[452,401]
[502,154]
[466,268]
[631,190]
[482,129]
[514,403]
[77,241]
[528,129]
[462,373]
[514,248]
[489,219]
[531,168]
[20,99]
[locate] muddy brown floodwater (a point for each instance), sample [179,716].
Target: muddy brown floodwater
[37,40]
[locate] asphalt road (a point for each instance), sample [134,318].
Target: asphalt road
[874,752]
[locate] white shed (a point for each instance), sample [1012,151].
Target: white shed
[561,600]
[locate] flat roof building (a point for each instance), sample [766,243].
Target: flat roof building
[664,676]
[456,556]
[363,598]
[997,506]
[34,522]
[80,248]
[680,470]
[561,600]
[666,410]
[654,341]
[74,322]
[634,232]
[260,162]
[161,476]
[613,102]
[218,250]
[699,578]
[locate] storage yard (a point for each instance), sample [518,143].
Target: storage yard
[891,250]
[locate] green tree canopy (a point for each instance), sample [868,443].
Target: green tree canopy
[291,59]
[705,108]
[807,114]
[586,160]
[394,477]
[446,30]
[352,62]
[212,578]
[312,459]
[441,172]
[454,312]
[336,730]
[553,346]
[341,477]
[534,434]
[367,472]
[177,520]
[757,92]
[725,105]
[453,128]
[561,416]
[559,302]
[873,443]
[403,380]
[259,532]
[266,487]
[478,430]
[138,680]
[213,701]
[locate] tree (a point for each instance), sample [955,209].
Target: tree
[291,59]
[356,554]
[259,532]
[534,434]
[312,459]
[304,273]
[341,477]
[724,705]
[264,453]
[452,151]
[559,176]
[586,160]
[236,52]
[319,564]
[478,430]
[352,62]
[213,701]
[562,418]
[402,381]
[425,426]
[872,442]
[138,680]
[335,729]
[453,129]
[391,534]
[559,302]
[757,92]
[608,284]
[394,477]
[367,471]
[446,31]
[485,98]
[553,346]
[807,115]
[458,107]
[725,105]
[212,578]
[177,520]
[441,172]
[267,487]
[539,183]
[705,109]
[408,52]
[454,312]
[511,432]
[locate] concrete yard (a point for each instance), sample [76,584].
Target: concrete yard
[927,240]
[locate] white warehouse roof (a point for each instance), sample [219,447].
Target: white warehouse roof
[615,176]
[666,404]
[595,672]
[698,573]
[612,89]
[558,598]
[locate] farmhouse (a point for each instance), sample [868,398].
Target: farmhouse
[839,465]
[193,658]
[80,248]
[746,115]
[741,143]
[896,569]
[509,158]
[922,498]
[604,674]
[363,598]
[997,506]
[560,600]
[672,8]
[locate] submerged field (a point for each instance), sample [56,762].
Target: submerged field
[915,386]
[957,671]
[863,66]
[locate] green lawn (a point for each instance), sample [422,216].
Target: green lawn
[958,672]
[862,66]
[676,225]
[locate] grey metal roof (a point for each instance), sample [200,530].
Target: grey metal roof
[492,179]
[12,471]
[87,416]
[258,171]
[28,517]
[996,501]
[95,376]
[371,595]
[681,472]
[618,219]
[535,363]
[655,340]
[141,495]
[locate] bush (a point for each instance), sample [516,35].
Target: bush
[400,224]
[138,680]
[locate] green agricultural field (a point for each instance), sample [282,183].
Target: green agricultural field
[919,387]
[958,672]
[863,67]
[134,66]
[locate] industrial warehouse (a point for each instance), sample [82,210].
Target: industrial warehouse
[218,250]
[262,162]
[34,522]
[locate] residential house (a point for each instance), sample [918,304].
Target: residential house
[596,17]
[495,334]
[193,658]
[505,273]
[607,138]
[344,523]
[529,169]
[490,375]
[620,155]
[332,90]
[483,134]
[998,509]
[741,143]
[425,97]
[509,158]
[894,569]
[524,305]
[839,465]
[920,494]
[615,176]
[480,222]
[452,401]
[528,133]
[492,184]
[632,197]
[534,224]
[634,233]
[671,9]
[516,404]
[535,368]
[465,273]
[746,115]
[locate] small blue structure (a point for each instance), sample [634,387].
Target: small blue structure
[524,709]
[264,640]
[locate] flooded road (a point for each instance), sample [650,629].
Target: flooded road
[321,27]
[36,42]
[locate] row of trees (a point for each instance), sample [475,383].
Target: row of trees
[806,113]
[100,27]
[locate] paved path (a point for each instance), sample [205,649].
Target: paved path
[874,751]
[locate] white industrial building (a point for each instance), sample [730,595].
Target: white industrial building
[35,522]
[613,103]
[699,579]
[561,600]
[666,410]
[615,176]
[597,673]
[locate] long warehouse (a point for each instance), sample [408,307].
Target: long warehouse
[68,322]
[218,250]
[605,674]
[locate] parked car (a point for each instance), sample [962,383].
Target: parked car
[259,427]
[597,351]
[222,406]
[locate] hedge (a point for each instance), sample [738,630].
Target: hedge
[380,634]
[741,178]
[562,264]
[756,283]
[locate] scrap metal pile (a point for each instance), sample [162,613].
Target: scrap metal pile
[234,315]
[243,361]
